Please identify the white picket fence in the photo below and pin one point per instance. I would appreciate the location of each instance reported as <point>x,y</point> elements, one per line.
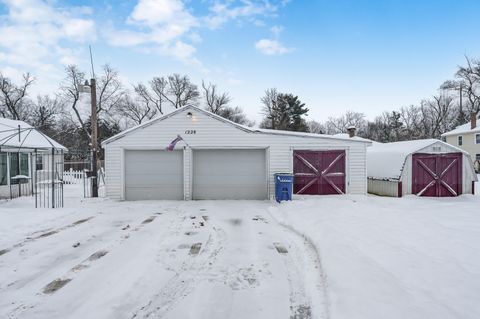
<point>73,177</point>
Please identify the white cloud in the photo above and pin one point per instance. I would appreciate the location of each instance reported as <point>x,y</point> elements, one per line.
<point>162,12</point>
<point>169,28</point>
<point>223,11</point>
<point>160,26</point>
<point>33,32</point>
<point>271,47</point>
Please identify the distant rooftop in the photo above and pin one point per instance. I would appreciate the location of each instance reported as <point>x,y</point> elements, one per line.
<point>464,128</point>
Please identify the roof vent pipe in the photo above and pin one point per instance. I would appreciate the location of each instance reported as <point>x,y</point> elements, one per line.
<point>351,131</point>
<point>473,120</point>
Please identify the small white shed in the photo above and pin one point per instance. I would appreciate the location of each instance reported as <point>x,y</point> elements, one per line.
<point>427,167</point>
<point>27,156</point>
<point>218,159</point>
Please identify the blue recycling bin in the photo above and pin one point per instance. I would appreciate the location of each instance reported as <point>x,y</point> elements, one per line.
<point>283,186</point>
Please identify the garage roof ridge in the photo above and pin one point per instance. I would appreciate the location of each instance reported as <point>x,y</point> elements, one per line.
<point>239,126</point>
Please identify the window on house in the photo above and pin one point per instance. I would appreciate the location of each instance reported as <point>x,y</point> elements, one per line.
<point>477,138</point>
<point>15,169</point>
<point>477,157</point>
<point>39,162</point>
<point>3,169</point>
<point>460,140</point>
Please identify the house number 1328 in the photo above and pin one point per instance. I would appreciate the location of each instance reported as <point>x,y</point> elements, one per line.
<point>190,132</point>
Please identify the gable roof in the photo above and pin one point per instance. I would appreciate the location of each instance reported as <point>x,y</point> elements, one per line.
<point>224,120</point>
<point>386,160</point>
<point>18,134</point>
<point>464,129</point>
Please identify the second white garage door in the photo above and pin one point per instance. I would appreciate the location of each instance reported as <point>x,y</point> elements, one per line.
<point>153,174</point>
<point>229,174</point>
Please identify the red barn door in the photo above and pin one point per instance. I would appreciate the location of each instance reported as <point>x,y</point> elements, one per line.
<point>319,172</point>
<point>437,175</point>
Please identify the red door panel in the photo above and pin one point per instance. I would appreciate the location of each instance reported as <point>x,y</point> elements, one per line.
<point>437,175</point>
<point>319,172</point>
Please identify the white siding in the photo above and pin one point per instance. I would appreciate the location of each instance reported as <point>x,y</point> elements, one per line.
<point>383,187</point>
<point>213,133</point>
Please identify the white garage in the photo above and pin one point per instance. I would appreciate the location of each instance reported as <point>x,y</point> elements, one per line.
<point>218,159</point>
<point>237,174</point>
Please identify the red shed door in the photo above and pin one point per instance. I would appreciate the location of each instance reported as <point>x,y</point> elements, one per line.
<point>437,175</point>
<point>319,172</point>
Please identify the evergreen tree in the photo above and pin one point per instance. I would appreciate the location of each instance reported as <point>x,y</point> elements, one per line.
<point>284,111</point>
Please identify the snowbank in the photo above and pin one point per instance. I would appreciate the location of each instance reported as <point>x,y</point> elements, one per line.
<point>394,258</point>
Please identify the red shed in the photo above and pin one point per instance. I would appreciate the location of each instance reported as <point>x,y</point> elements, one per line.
<point>422,167</point>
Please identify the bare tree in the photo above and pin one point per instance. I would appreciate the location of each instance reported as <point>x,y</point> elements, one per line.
<point>340,124</point>
<point>135,112</point>
<point>12,99</point>
<point>438,114</point>
<point>215,102</point>
<point>45,112</point>
<point>316,127</point>
<point>270,108</point>
<point>180,91</point>
<point>235,114</point>
<point>153,98</point>
<point>70,90</point>
<point>469,78</point>
<point>109,91</point>
<point>411,118</point>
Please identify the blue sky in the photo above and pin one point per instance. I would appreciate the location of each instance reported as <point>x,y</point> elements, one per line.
<point>366,56</point>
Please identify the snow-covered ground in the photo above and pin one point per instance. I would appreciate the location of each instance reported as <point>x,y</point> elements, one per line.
<point>361,257</point>
<point>394,258</point>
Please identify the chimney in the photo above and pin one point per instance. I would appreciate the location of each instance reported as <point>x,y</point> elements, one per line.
<point>473,120</point>
<point>351,131</point>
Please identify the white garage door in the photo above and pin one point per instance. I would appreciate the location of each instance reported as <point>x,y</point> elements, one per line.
<point>153,174</point>
<point>229,174</point>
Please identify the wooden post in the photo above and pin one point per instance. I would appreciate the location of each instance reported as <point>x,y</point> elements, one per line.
<point>94,125</point>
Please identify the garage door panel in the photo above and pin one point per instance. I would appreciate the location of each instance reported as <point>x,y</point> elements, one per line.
<point>437,175</point>
<point>229,174</point>
<point>226,192</point>
<point>153,174</point>
<point>149,193</point>
<point>153,179</point>
<point>319,172</point>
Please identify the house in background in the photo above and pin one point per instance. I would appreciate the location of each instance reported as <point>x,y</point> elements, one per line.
<point>27,157</point>
<point>219,159</point>
<point>467,138</point>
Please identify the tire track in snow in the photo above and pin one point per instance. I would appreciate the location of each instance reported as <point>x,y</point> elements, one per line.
<point>305,296</point>
<point>44,234</point>
<point>183,282</point>
<point>70,275</point>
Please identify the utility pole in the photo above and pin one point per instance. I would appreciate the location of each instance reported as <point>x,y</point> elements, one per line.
<point>94,126</point>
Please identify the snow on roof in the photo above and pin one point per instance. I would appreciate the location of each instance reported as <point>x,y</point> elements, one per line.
<point>386,160</point>
<point>304,134</point>
<point>358,138</point>
<point>26,137</point>
<point>463,129</point>
<point>242,127</point>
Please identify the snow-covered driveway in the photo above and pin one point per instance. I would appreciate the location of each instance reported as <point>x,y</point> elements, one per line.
<point>157,259</point>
